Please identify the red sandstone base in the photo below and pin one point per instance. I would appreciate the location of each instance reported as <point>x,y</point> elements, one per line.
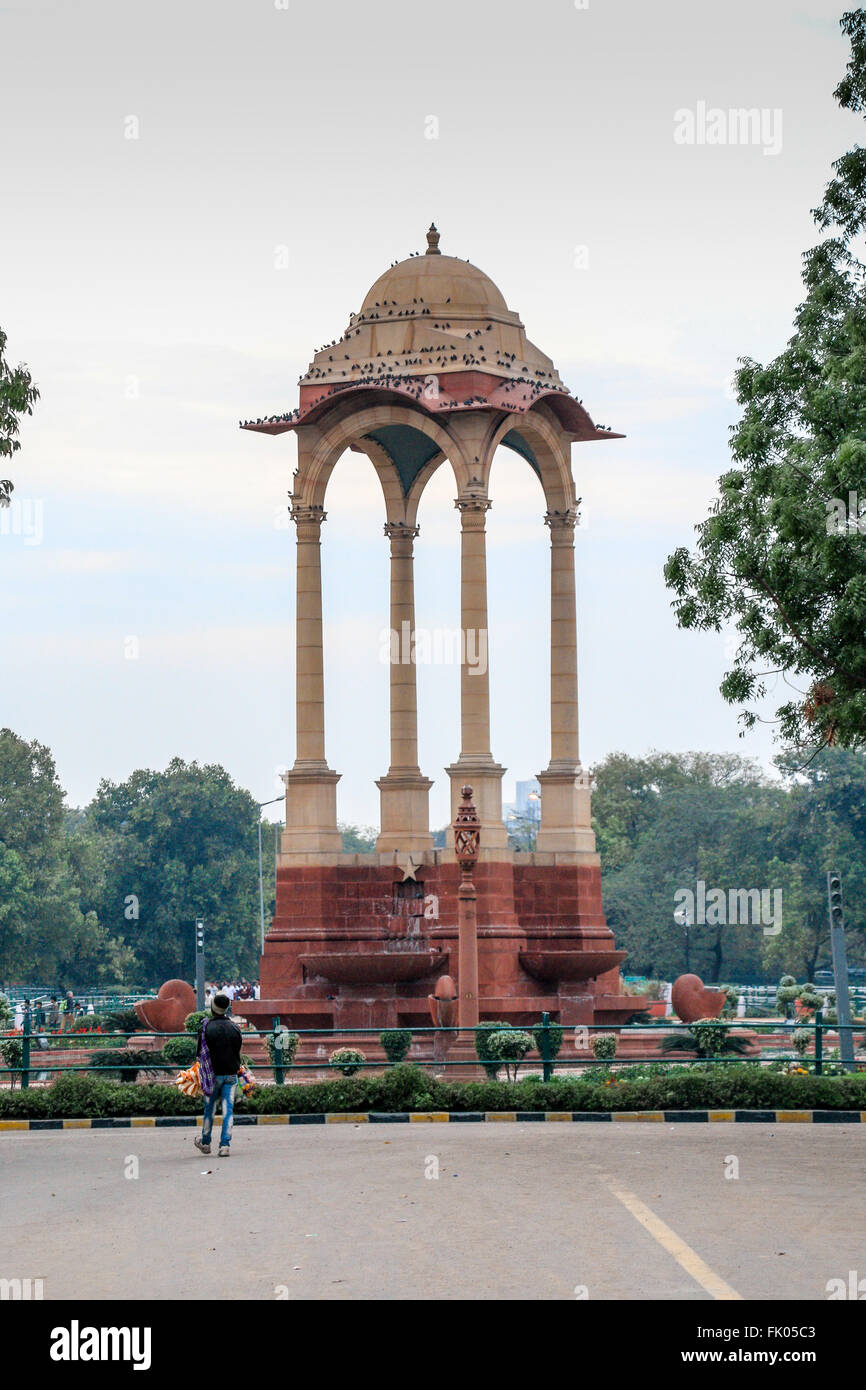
<point>354,946</point>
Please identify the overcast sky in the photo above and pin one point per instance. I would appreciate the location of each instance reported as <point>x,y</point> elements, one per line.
<point>139,279</point>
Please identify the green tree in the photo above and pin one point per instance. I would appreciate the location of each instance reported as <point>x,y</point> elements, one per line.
<point>824,828</point>
<point>667,821</point>
<point>772,557</point>
<point>183,845</point>
<point>46,935</point>
<point>18,395</point>
<point>358,839</point>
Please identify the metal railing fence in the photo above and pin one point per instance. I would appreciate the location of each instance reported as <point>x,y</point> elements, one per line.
<point>544,1033</point>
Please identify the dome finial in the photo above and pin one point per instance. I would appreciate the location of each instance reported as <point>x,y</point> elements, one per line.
<point>433,241</point>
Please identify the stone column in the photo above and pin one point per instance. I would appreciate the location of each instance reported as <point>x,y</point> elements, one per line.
<point>476,764</point>
<point>311,786</point>
<point>565,799</point>
<point>404,792</point>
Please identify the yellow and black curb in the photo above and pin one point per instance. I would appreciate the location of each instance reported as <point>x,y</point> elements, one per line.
<point>769,1117</point>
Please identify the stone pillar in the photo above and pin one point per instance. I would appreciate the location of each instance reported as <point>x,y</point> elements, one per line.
<point>566,825</point>
<point>404,792</point>
<point>311,786</point>
<point>476,764</point>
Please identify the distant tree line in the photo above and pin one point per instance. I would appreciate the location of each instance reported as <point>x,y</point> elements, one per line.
<point>110,892</point>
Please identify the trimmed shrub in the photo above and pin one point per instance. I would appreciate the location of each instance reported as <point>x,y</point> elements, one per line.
<point>180,1051</point>
<point>509,1046</point>
<point>396,1043</point>
<point>810,999</point>
<point>802,1039</point>
<point>348,1060</point>
<point>7,1013</point>
<point>12,1052</point>
<point>284,1055</point>
<point>555,1035</point>
<point>483,1033</point>
<point>708,1038</point>
<point>192,1023</point>
<point>603,1046</point>
<point>406,1088</point>
<point>786,993</point>
<point>127,1062</point>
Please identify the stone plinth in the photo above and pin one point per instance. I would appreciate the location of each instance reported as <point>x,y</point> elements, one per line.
<point>354,945</point>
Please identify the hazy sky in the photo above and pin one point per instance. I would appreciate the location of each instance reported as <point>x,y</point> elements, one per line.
<point>139,280</point>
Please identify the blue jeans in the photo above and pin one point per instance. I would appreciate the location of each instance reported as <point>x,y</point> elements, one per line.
<point>222,1086</point>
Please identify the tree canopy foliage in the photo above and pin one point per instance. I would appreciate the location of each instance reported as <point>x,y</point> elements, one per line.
<point>18,395</point>
<point>110,892</point>
<point>669,820</point>
<point>782,556</point>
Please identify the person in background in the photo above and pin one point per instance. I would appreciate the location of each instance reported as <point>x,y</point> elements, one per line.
<point>40,1015</point>
<point>53,1015</point>
<point>67,1009</point>
<point>18,1020</point>
<point>223,1040</point>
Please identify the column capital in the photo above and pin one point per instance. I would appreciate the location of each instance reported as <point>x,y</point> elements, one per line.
<point>562,520</point>
<point>473,507</point>
<point>401,531</point>
<point>562,524</point>
<point>303,515</point>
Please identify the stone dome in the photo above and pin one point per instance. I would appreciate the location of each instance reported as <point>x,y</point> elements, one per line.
<point>445,284</point>
<point>435,331</point>
<point>432,314</point>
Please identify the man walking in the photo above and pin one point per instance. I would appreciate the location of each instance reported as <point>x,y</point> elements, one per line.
<point>223,1040</point>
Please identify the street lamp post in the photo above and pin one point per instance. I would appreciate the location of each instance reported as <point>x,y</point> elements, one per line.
<point>262,805</point>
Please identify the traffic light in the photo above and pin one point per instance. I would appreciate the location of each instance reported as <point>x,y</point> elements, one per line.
<point>834,894</point>
<point>199,965</point>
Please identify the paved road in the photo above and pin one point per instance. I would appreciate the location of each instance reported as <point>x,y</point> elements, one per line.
<point>517,1211</point>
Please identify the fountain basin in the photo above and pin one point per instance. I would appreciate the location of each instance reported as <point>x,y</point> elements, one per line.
<point>374,968</point>
<point>569,965</point>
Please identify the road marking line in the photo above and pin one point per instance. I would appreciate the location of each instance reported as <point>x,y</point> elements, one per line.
<point>687,1258</point>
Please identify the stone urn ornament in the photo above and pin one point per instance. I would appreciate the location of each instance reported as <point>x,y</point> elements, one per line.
<point>692,1000</point>
<point>166,1013</point>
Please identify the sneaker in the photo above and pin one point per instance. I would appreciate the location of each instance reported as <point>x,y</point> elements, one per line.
<point>202,1148</point>
<point>224,1151</point>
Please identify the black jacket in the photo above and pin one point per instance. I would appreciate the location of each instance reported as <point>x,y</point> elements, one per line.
<point>224,1045</point>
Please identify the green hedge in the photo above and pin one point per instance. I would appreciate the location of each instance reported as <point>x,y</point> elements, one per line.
<point>407,1087</point>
